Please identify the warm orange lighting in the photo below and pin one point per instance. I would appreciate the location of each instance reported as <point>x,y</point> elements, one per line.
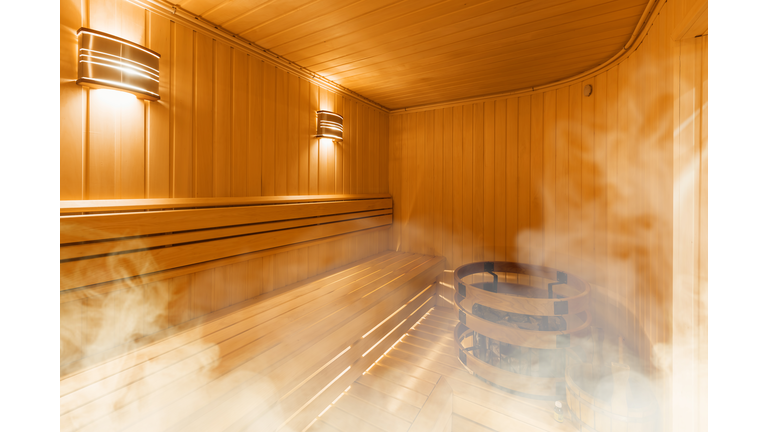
<point>110,62</point>
<point>330,125</point>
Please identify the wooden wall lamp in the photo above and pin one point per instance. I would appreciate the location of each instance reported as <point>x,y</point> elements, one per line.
<point>107,61</point>
<point>329,125</point>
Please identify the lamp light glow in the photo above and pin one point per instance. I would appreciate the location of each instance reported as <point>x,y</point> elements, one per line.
<point>330,125</point>
<point>107,61</point>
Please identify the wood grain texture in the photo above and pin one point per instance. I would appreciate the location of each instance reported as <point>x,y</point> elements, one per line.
<point>245,349</point>
<point>405,54</point>
<point>586,181</point>
<point>190,295</point>
<point>223,114</point>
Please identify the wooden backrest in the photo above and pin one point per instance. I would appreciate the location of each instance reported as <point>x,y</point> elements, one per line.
<point>108,240</point>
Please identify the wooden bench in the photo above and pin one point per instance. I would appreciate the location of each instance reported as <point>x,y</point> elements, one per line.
<point>132,268</point>
<point>104,241</point>
<point>274,363</point>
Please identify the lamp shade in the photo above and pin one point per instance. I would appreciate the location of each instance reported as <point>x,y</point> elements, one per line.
<point>330,125</point>
<point>106,61</point>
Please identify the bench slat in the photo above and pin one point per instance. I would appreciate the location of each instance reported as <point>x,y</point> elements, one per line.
<point>122,245</point>
<point>110,226</point>
<point>279,343</point>
<point>79,273</point>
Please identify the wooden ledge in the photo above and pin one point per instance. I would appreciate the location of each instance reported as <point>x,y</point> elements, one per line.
<point>98,206</point>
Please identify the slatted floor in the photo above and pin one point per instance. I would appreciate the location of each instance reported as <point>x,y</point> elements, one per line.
<point>272,364</point>
<point>390,394</point>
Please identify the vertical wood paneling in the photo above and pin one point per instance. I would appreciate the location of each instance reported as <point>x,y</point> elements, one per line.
<point>100,158</point>
<point>601,186</point>
<point>293,136</point>
<point>269,107</point>
<point>456,176</point>
<point>524,183</point>
<point>575,156</point>
<point>439,184</point>
<point>418,228</point>
<point>281,132</point>
<point>612,223</point>
<point>500,179</point>
<point>255,125</point>
<point>338,182</point>
<point>549,177</point>
<point>489,190</point>
<point>222,114</point>
<point>305,137</point>
<point>476,137</point>
<point>314,143</point>
<point>468,186</point>
<point>512,179</point>
<point>158,143</point>
<point>132,142</point>
<point>131,145</point>
<point>561,182</point>
<point>427,205</point>
<point>203,136</point>
<point>587,180</point>
<point>580,183</point>
<point>239,171</point>
<point>182,112</point>
<point>227,124</point>
<point>537,201</point>
<point>73,102</point>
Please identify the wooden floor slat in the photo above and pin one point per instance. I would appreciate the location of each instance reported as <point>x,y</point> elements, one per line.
<point>345,422</point>
<point>321,426</point>
<point>261,358</point>
<point>394,390</point>
<point>490,418</point>
<point>421,359</point>
<point>372,414</point>
<point>392,405</point>
<point>461,424</point>
<point>114,366</point>
<point>398,377</point>
<point>271,338</point>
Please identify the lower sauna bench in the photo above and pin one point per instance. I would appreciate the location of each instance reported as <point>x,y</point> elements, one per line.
<point>273,363</point>
<point>363,348</point>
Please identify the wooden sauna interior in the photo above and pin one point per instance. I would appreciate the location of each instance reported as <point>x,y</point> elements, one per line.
<point>222,269</point>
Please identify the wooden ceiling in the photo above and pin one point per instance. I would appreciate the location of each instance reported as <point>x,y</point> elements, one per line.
<point>407,53</point>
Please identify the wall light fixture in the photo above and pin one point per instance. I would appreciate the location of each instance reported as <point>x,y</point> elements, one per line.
<point>106,61</point>
<point>329,125</point>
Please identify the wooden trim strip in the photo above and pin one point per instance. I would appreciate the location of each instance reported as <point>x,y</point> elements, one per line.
<point>75,274</point>
<point>75,229</point>
<point>91,206</point>
<point>108,247</point>
<point>107,287</point>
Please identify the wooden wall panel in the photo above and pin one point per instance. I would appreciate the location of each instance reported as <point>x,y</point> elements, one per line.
<point>578,183</point>
<point>227,124</point>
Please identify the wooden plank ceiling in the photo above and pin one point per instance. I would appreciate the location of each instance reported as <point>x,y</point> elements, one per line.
<point>407,53</point>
